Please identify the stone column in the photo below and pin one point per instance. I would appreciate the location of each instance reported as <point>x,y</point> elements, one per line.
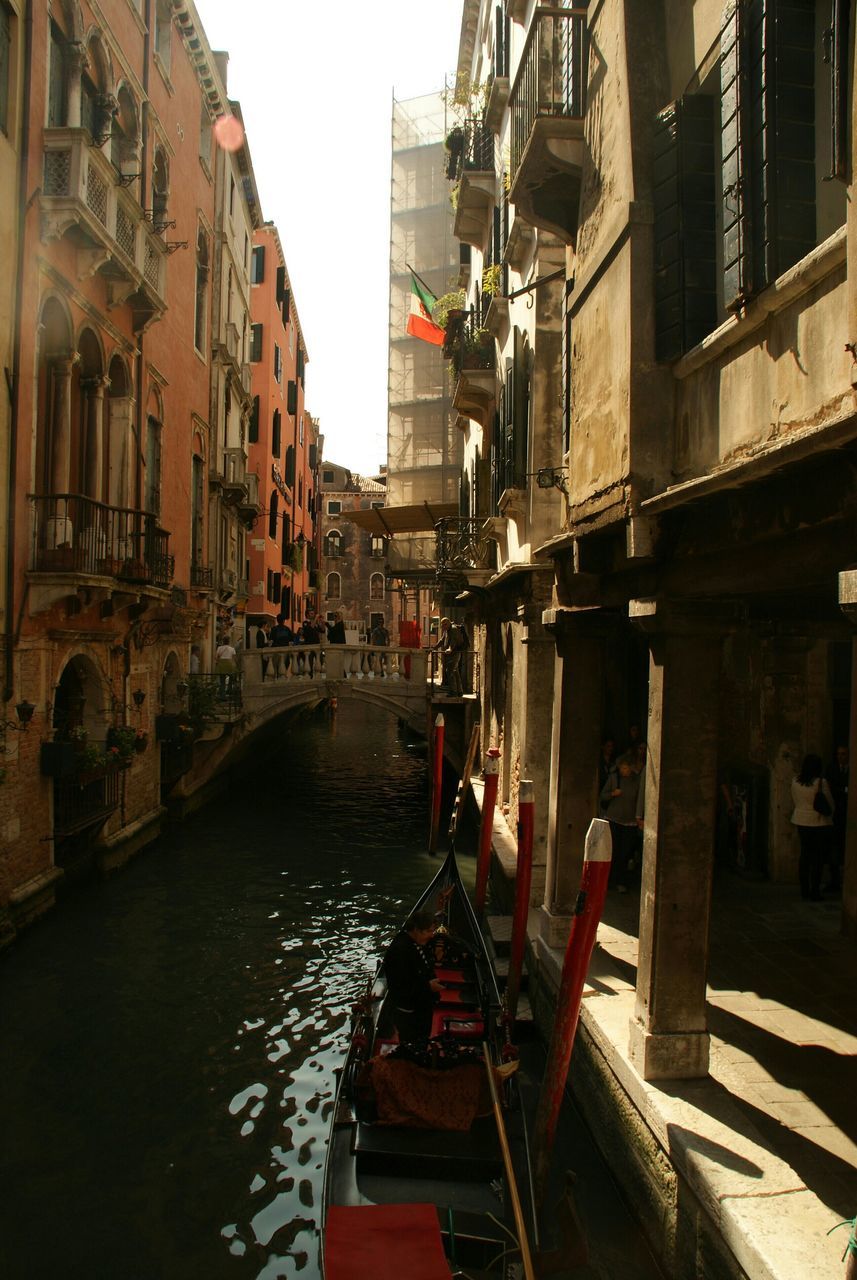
<point>60,464</point>
<point>536,739</point>
<point>669,1036</point>
<point>577,709</point>
<point>93,467</point>
<point>77,61</point>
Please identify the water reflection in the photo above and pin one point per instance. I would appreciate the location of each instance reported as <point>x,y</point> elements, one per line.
<point>170,1035</point>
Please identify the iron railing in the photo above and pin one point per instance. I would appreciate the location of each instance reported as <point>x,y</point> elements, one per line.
<point>467,344</point>
<point>212,697</point>
<point>72,534</point>
<point>471,147</point>
<point>460,545</point>
<point>551,78</point>
<point>85,799</point>
<point>202,576</point>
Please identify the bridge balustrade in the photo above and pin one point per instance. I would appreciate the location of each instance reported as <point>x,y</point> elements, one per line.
<point>322,663</point>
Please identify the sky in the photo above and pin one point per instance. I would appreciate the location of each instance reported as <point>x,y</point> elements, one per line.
<point>316,80</point>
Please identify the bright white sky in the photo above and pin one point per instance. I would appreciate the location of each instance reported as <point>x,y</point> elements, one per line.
<point>316,80</point>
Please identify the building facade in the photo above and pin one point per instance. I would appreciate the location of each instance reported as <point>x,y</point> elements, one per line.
<point>353,561</point>
<point>284,446</point>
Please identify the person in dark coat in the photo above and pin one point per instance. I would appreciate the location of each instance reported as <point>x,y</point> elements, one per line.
<point>336,630</point>
<point>410,978</point>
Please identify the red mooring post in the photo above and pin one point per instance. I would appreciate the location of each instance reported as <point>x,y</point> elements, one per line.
<point>597,856</point>
<point>436,781</point>
<point>491,777</point>
<point>523,882</point>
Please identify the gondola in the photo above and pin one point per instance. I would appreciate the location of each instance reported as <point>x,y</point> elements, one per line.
<point>419,1179</point>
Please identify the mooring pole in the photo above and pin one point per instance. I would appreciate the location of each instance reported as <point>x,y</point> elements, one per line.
<point>598,853</point>
<point>491,779</point>
<point>523,882</point>
<point>436,781</point>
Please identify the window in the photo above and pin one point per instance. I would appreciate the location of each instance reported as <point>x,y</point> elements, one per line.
<point>278,363</point>
<point>301,430</point>
<point>334,586</point>
<point>253,425</point>
<point>163,32</point>
<point>377,545</point>
<point>152,495</point>
<point>376,586</point>
<point>197,508</point>
<point>58,82</point>
<point>5,61</point>
<point>160,189</point>
<point>200,319</point>
<point>301,365</point>
<point>281,289</point>
<point>257,270</point>
<point>333,544</point>
<point>231,194</point>
<point>205,135</point>
<point>276,434</point>
<point>292,398</point>
<point>255,343</point>
<point>327,476</point>
<point>377,506</point>
<point>273,513</point>
<point>290,466</point>
<point>334,507</point>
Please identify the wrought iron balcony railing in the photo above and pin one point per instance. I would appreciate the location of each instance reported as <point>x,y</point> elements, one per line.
<point>85,800</point>
<point>551,78</point>
<point>201,576</point>
<point>461,546</point>
<point>471,147</point>
<point>76,535</point>
<point>468,344</point>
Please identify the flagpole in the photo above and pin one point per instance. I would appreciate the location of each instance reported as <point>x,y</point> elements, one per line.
<point>422,282</point>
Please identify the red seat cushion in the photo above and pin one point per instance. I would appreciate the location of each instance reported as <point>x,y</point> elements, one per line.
<point>451,975</point>
<point>384,1242</point>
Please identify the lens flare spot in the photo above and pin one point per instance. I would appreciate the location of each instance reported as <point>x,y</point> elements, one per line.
<point>228,133</point>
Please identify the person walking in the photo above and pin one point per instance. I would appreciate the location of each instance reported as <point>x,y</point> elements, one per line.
<point>620,797</point>
<point>813,817</point>
<point>225,665</point>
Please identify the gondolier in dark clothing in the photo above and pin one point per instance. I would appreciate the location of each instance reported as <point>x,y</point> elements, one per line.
<point>410,978</point>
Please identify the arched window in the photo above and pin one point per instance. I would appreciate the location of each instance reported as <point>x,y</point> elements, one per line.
<point>377,546</point>
<point>199,325</point>
<point>163,32</point>
<point>334,586</point>
<point>333,544</point>
<point>123,134</point>
<point>58,79</point>
<point>376,586</point>
<point>273,513</point>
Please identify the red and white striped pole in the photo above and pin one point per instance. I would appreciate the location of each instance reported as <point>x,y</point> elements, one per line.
<point>491,778</point>
<point>437,781</point>
<point>523,883</point>
<point>597,856</point>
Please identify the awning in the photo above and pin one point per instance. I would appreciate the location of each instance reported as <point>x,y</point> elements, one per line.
<point>384,1242</point>
<point>420,517</point>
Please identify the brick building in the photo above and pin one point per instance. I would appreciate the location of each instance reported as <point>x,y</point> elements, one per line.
<point>353,561</point>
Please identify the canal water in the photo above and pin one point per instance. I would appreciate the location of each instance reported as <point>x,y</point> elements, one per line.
<point>169,1035</point>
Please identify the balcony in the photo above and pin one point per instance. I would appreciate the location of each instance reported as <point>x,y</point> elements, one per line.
<point>201,577</point>
<point>228,346</point>
<point>81,201</point>
<point>471,349</point>
<point>234,475</point>
<point>76,537</point>
<point>547,105</point>
<point>463,552</point>
<point>471,166</point>
<point>250,504</point>
<point>85,800</point>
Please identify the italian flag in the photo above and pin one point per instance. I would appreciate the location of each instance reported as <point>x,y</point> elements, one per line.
<point>420,323</point>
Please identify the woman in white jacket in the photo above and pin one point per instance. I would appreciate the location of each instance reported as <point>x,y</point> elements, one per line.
<point>811,795</point>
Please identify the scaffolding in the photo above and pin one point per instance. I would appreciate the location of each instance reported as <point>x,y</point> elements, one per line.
<point>424,447</point>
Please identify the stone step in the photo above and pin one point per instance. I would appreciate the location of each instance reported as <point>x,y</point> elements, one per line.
<point>500,933</point>
<point>501,969</point>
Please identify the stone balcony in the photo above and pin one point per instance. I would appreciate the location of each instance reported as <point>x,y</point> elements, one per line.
<point>463,552</point>
<point>84,200</point>
<point>472,167</point>
<point>547,103</point>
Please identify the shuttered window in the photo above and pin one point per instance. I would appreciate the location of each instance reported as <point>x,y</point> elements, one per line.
<point>281,284</point>
<point>290,466</point>
<point>768,141</point>
<point>685,235</point>
<point>292,399</point>
<point>276,434</point>
<point>255,343</point>
<point>253,425</point>
<point>257,269</point>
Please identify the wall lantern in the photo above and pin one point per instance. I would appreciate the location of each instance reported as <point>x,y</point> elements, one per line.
<point>139,696</point>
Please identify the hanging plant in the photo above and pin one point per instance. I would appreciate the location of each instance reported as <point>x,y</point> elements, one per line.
<point>448,302</point>
<point>491,279</point>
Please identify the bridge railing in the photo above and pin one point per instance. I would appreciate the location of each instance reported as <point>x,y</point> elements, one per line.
<point>311,662</point>
<point>468,670</point>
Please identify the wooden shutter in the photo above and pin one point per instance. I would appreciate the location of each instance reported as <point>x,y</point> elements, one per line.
<point>276,434</point>
<point>255,342</point>
<point>292,398</point>
<point>840,45</point>
<point>253,425</point>
<point>520,412</point>
<point>685,261</point>
<point>285,307</point>
<point>281,284</point>
<point>313,457</point>
<point>734,129</point>
<point>290,466</point>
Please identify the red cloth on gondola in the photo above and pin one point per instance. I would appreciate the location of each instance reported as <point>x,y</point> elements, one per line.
<point>384,1242</point>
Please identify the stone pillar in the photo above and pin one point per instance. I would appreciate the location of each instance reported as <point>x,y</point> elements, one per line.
<point>577,709</point>
<point>60,464</point>
<point>93,467</point>
<point>536,741</point>
<point>669,1036</point>
<point>77,61</point>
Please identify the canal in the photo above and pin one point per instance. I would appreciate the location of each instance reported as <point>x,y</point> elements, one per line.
<point>169,1035</point>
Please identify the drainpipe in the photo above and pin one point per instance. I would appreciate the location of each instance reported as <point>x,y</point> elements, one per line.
<point>14,383</point>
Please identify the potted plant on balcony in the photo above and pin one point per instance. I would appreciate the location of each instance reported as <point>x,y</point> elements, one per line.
<point>91,763</point>
<point>477,349</point>
<point>121,739</point>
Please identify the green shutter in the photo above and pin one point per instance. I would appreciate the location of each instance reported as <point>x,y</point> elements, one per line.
<point>276,432</point>
<point>520,412</point>
<point>290,466</point>
<point>292,399</point>
<point>281,284</point>
<point>733,124</point>
<point>253,426</point>
<point>685,262</point>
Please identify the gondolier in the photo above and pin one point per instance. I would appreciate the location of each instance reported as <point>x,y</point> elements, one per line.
<point>410,978</point>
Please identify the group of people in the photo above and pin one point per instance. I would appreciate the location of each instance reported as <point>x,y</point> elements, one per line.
<point>314,630</point>
<point>820,809</point>
<point>621,799</point>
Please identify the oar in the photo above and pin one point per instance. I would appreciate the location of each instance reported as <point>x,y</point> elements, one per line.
<point>463,784</point>
<point>523,1243</point>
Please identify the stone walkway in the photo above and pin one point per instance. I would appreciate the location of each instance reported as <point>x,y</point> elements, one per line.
<point>771,1137</point>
